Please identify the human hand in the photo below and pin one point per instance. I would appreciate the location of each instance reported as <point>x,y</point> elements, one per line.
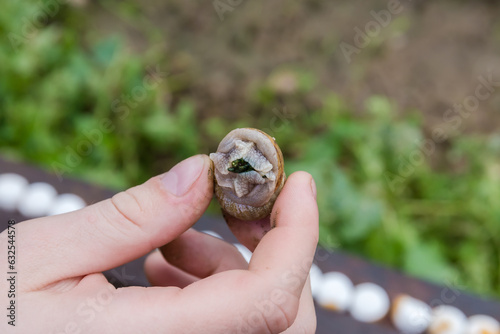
<point>205,287</point>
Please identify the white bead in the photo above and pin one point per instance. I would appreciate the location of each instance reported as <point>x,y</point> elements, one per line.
<point>247,255</point>
<point>316,277</point>
<point>370,303</point>
<point>37,200</point>
<point>410,315</point>
<point>482,324</point>
<point>12,188</point>
<point>447,320</point>
<point>212,233</point>
<point>66,203</point>
<point>335,292</point>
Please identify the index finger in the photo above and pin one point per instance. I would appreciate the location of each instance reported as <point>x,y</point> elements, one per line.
<point>285,253</point>
<point>265,299</point>
<point>248,233</point>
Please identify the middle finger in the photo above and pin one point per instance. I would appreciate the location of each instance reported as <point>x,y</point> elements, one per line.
<point>202,255</point>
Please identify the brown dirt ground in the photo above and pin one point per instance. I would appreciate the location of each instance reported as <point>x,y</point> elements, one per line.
<point>426,59</point>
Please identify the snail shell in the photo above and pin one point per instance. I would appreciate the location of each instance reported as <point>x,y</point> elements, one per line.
<point>249,173</point>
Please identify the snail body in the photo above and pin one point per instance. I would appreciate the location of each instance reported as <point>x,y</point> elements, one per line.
<point>249,173</point>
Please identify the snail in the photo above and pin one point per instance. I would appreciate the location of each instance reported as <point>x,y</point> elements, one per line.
<point>249,173</point>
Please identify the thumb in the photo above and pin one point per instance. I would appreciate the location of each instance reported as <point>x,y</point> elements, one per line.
<point>116,231</point>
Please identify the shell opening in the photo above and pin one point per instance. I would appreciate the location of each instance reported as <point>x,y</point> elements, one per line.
<point>240,166</point>
<point>243,169</point>
<point>248,172</point>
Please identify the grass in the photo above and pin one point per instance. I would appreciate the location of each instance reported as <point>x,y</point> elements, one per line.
<point>89,110</point>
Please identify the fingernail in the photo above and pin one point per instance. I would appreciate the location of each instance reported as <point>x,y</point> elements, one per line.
<point>181,177</point>
<point>313,187</point>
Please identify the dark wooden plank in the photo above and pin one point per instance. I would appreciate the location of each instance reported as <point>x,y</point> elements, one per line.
<point>91,193</point>
<point>395,283</point>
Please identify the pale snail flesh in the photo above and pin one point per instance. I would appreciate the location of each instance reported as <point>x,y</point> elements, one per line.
<point>249,173</point>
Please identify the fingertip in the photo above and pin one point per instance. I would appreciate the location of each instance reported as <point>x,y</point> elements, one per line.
<point>298,197</point>
<point>180,179</point>
<point>248,233</point>
<point>302,179</point>
<point>302,182</point>
<point>299,186</point>
<point>161,273</point>
<point>152,260</point>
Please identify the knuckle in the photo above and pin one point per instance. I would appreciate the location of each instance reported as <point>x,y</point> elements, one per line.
<point>127,206</point>
<point>279,321</point>
<point>123,212</point>
<point>280,316</point>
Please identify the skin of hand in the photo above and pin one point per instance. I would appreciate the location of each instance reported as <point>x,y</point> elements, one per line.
<point>201,284</point>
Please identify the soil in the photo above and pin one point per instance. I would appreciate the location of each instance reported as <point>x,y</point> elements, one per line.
<point>427,58</point>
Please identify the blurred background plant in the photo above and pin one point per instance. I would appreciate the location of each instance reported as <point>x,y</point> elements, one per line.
<point>65,74</point>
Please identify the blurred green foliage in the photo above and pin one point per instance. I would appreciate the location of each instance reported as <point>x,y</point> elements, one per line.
<point>87,111</point>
